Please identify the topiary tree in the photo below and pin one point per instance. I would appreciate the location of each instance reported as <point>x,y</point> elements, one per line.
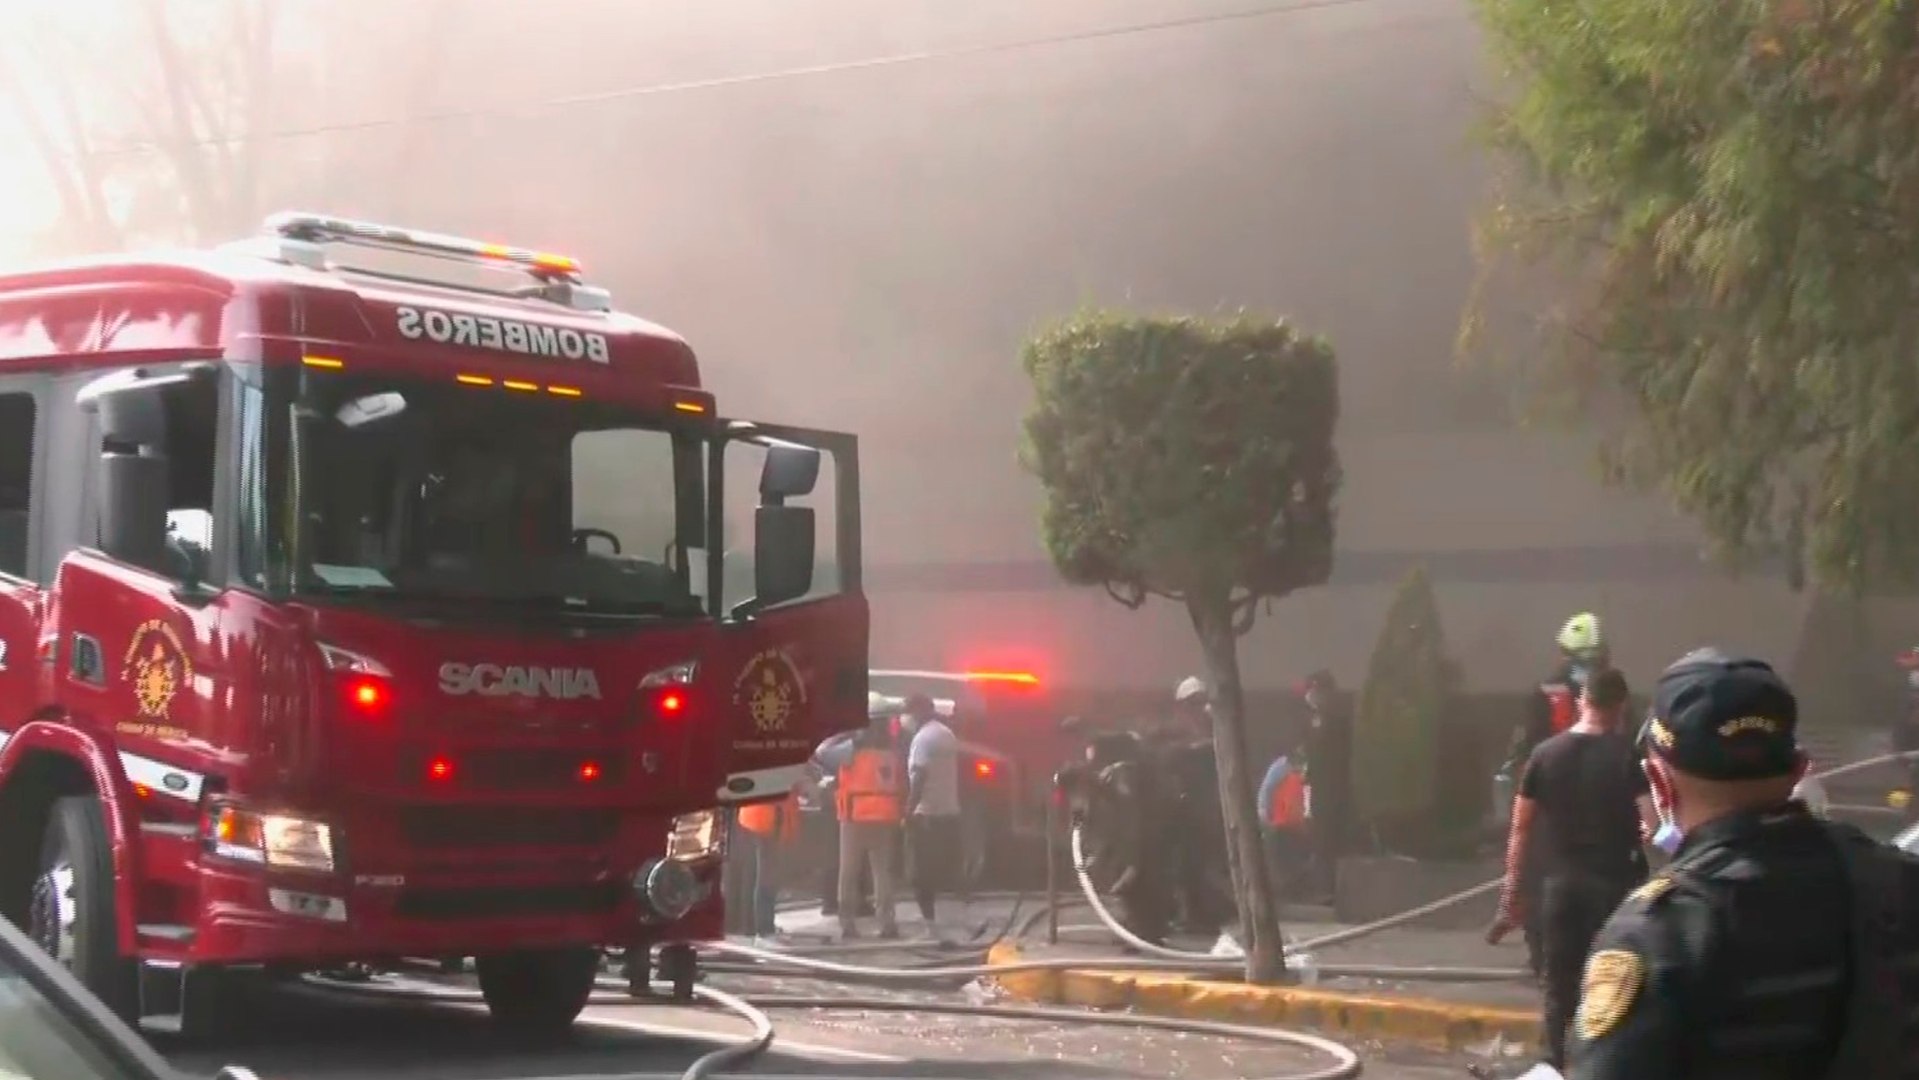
<point>1192,459</point>
<point>1396,726</point>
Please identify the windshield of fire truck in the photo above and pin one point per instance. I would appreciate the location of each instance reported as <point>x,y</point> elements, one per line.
<point>444,491</point>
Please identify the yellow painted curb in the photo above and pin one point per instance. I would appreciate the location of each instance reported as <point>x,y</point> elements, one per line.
<point>1448,1025</point>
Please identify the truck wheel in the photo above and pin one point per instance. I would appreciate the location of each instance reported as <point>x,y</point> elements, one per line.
<point>72,915</point>
<point>538,994</point>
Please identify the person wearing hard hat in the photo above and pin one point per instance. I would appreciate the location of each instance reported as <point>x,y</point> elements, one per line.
<point>1195,827</point>
<point>1554,708</point>
<point>1192,711</point>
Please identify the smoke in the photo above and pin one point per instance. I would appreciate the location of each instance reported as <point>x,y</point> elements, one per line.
<point>864,245</point>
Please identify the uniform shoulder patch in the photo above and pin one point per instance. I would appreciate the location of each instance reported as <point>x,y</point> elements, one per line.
<point>1652,890</point>
<point>1613,980</point>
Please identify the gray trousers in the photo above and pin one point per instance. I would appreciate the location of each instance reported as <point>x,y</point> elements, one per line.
<point>869,846</point>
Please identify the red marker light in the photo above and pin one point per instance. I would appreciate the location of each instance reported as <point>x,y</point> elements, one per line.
<point>672,703</point>
<point>367,695</point>
<point>984,769</point>
<point>439,769</point>
<point>589,771</point>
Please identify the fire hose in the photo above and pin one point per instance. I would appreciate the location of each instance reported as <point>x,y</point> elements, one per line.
<point>1341,937</point>
<point>752,1009</point>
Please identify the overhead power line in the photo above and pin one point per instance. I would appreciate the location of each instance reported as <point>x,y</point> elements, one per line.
<point>720,82</point>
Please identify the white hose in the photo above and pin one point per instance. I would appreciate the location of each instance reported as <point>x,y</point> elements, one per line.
<point>1118,929</point>
<point>1355,932</point>
<point>1345,1062</point>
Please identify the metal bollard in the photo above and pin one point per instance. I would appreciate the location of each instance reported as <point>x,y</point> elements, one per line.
<point>1052,867</point>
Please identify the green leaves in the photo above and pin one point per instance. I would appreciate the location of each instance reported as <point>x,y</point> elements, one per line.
<point>1184,456</point>
<point>1736,189</point>
<point>1401,704</point>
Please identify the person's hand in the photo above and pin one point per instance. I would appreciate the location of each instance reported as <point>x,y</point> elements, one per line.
<point>1501,926</point>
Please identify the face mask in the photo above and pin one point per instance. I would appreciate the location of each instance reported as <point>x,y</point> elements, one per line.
<point>1669,835</point>
<point>1668,838</point>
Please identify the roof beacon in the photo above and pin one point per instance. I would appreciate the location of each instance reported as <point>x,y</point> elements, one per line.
<point>303,236</point>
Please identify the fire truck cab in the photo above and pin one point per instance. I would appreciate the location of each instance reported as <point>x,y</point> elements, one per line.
<point>368,593</point>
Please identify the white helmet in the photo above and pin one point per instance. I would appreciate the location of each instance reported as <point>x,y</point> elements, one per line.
<point>1189,688</point>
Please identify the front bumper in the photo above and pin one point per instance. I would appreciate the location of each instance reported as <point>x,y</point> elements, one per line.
<point>401,893</point>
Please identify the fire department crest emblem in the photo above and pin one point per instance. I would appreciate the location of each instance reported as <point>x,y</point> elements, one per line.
<point>770,690</point>
<point>156,666</point>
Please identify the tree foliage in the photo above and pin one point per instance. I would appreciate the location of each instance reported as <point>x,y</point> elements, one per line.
<point>1193,459</point>
<point>161,123</point>
<point>1185,457</point>
<point>1396,728</point>
<point>1733,190</point>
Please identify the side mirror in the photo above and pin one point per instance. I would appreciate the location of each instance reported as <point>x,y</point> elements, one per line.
<point>129,405</point>
<point>782,554</point>
<point>789,472</point>
<point>370,409</point>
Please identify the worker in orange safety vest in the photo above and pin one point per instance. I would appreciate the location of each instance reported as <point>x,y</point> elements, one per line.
<point>770,827</point>
<point>870,791</point>
<point>1284,809</point>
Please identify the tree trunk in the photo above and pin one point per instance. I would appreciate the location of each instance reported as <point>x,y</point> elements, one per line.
<point>1253,879</point>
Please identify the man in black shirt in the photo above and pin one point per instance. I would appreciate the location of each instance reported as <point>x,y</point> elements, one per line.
<point>1581,815</point>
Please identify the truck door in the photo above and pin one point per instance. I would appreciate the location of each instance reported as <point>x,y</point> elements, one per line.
<point>783,536</point>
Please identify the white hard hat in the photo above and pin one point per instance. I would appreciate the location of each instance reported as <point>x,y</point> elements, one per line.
<point>1189,688</point>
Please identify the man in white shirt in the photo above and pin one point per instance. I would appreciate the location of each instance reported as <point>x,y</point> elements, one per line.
<point>932,805</point>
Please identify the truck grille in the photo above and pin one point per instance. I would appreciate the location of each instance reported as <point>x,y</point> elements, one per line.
<point>442,827</point>
<point>485,903</point>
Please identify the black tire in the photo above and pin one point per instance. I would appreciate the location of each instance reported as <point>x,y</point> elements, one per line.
<point>538,994</point>
<point>76,839</point>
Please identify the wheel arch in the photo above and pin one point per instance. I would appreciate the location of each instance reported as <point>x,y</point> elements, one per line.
<point>45,760</point>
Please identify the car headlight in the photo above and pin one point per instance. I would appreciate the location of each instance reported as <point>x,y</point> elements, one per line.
<point>695,836</point>
<point>276,840</point>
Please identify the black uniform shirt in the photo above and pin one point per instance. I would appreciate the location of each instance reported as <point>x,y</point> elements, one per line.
<point>1735,961</point>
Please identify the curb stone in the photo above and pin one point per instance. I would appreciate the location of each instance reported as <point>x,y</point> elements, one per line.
<point>1446,1025</point>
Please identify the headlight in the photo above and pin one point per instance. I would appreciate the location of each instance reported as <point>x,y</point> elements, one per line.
<point>667,889</point>
<point>695,836</point>
<point>275,840</point>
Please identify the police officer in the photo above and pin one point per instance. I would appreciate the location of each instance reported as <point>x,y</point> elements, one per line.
<point>1775,945</point>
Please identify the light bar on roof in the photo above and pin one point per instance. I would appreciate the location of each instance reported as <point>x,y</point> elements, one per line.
<point>324,228</point>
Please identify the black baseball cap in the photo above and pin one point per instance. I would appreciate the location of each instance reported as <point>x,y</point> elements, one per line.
<point>1723,717</point>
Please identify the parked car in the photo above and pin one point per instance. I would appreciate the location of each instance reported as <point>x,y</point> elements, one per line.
<point>51,1028</point>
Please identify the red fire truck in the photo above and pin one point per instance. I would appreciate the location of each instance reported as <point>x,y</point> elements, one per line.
<point>365,593</point>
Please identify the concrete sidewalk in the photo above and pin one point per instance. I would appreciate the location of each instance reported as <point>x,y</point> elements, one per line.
<point>1449,1016</point>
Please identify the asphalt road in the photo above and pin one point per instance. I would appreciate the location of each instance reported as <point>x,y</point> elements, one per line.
<point>299,1033</point>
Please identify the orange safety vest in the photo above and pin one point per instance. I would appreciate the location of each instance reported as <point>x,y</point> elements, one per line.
<point>1565,705</point>
<point>1289,801</point>
<point>869,786</point>
<point>779,818</point>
